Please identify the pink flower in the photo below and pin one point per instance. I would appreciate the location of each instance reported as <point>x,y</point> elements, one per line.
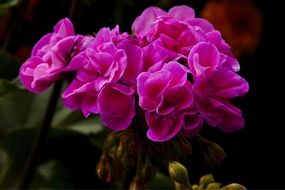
<point>177,67</point>
<point>177,36</point>
<point>49,57</point>
<point>106,76</point>
<point>116,105</point>
<point>81,96</point>
<point>212,96</point>
<point>171,35</point>
<point>144,23</point>
<point>163,127</point>
<point>164,95</point>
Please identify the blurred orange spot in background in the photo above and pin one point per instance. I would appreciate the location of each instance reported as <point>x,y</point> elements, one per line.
<point>239,21</point>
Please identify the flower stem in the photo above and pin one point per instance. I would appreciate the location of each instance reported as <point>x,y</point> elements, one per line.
<point>140,161</point>
<point>42,134</point>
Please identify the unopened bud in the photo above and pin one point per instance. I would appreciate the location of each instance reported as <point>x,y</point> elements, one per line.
<point>234,186</point>
<point>216,150</point>
<point>206,180</point>
<point>111,140</point>
<point>186,146</point>
<point>214,185</point>
<point>148,172</point>
<point>138,184</point>
<point>103,170</point>
<point>120,150</point>
<point>180,186</point>
<point>195,187</point>
<point>178,172</point>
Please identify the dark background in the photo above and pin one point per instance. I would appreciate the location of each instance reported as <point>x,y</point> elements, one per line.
<point>254,153</point>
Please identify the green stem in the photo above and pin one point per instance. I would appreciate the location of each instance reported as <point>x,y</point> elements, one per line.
<point>140,161</point>
<point>74,12</point>
<point>15,24</point>
<point>29,170</point>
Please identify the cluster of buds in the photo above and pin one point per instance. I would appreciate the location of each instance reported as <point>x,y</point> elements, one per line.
<point>119,154</point>
<point>179,175</point>
<point>129,156</point>
<point>207,182</point>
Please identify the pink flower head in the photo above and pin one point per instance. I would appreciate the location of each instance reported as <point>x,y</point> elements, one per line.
<point>49,57</point>
<point>99,64</point>
<point>177,36</point>
<point>176,66</point>
<point>171,35</point>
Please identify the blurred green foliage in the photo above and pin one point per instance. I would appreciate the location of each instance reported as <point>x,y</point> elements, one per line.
<point>8,3</point>
<point>21,115</point>
<point>9,66</point>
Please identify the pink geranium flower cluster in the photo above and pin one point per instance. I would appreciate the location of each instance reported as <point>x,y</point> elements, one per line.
<point>175,71</point>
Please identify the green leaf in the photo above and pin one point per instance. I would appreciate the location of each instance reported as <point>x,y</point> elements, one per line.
<point>9,67</point>
<point>52,174</point>
<point>6,87</point>
<point>8,3</point>
<point>19,108</point>
<point>17,144</point>
<point>22,109</point>
<point>21,115</point>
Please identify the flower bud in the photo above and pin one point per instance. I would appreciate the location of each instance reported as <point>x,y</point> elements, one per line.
<point>186,146</point>
<point>195,187</point>
<point>214,185</point>
<point>179,186</point>
<point>206,180</point>
<point>103,170</point>
<point>111,140</point>
<point>216,151</point>
<point>213,154</point>
<point>234,186</point>
<point>178,172</point>
<point>148,172</point>
<point>138,184</point>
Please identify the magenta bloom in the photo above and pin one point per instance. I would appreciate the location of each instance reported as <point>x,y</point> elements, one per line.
<point>106,77</point>
<point>116,105</point>
<point>178,36</point>
<point>212,96</point>
<point>205,58</point>
<point>164,95</point>
<point>174,73</point>
<point>49,57</point>
<point>171,35</point>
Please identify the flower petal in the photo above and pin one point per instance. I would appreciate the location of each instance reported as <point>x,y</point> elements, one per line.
<point>143,22</point>
<point>163,128</point>
<point>203,57</point>
<point>182,12</point>
<point>116,105</point>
